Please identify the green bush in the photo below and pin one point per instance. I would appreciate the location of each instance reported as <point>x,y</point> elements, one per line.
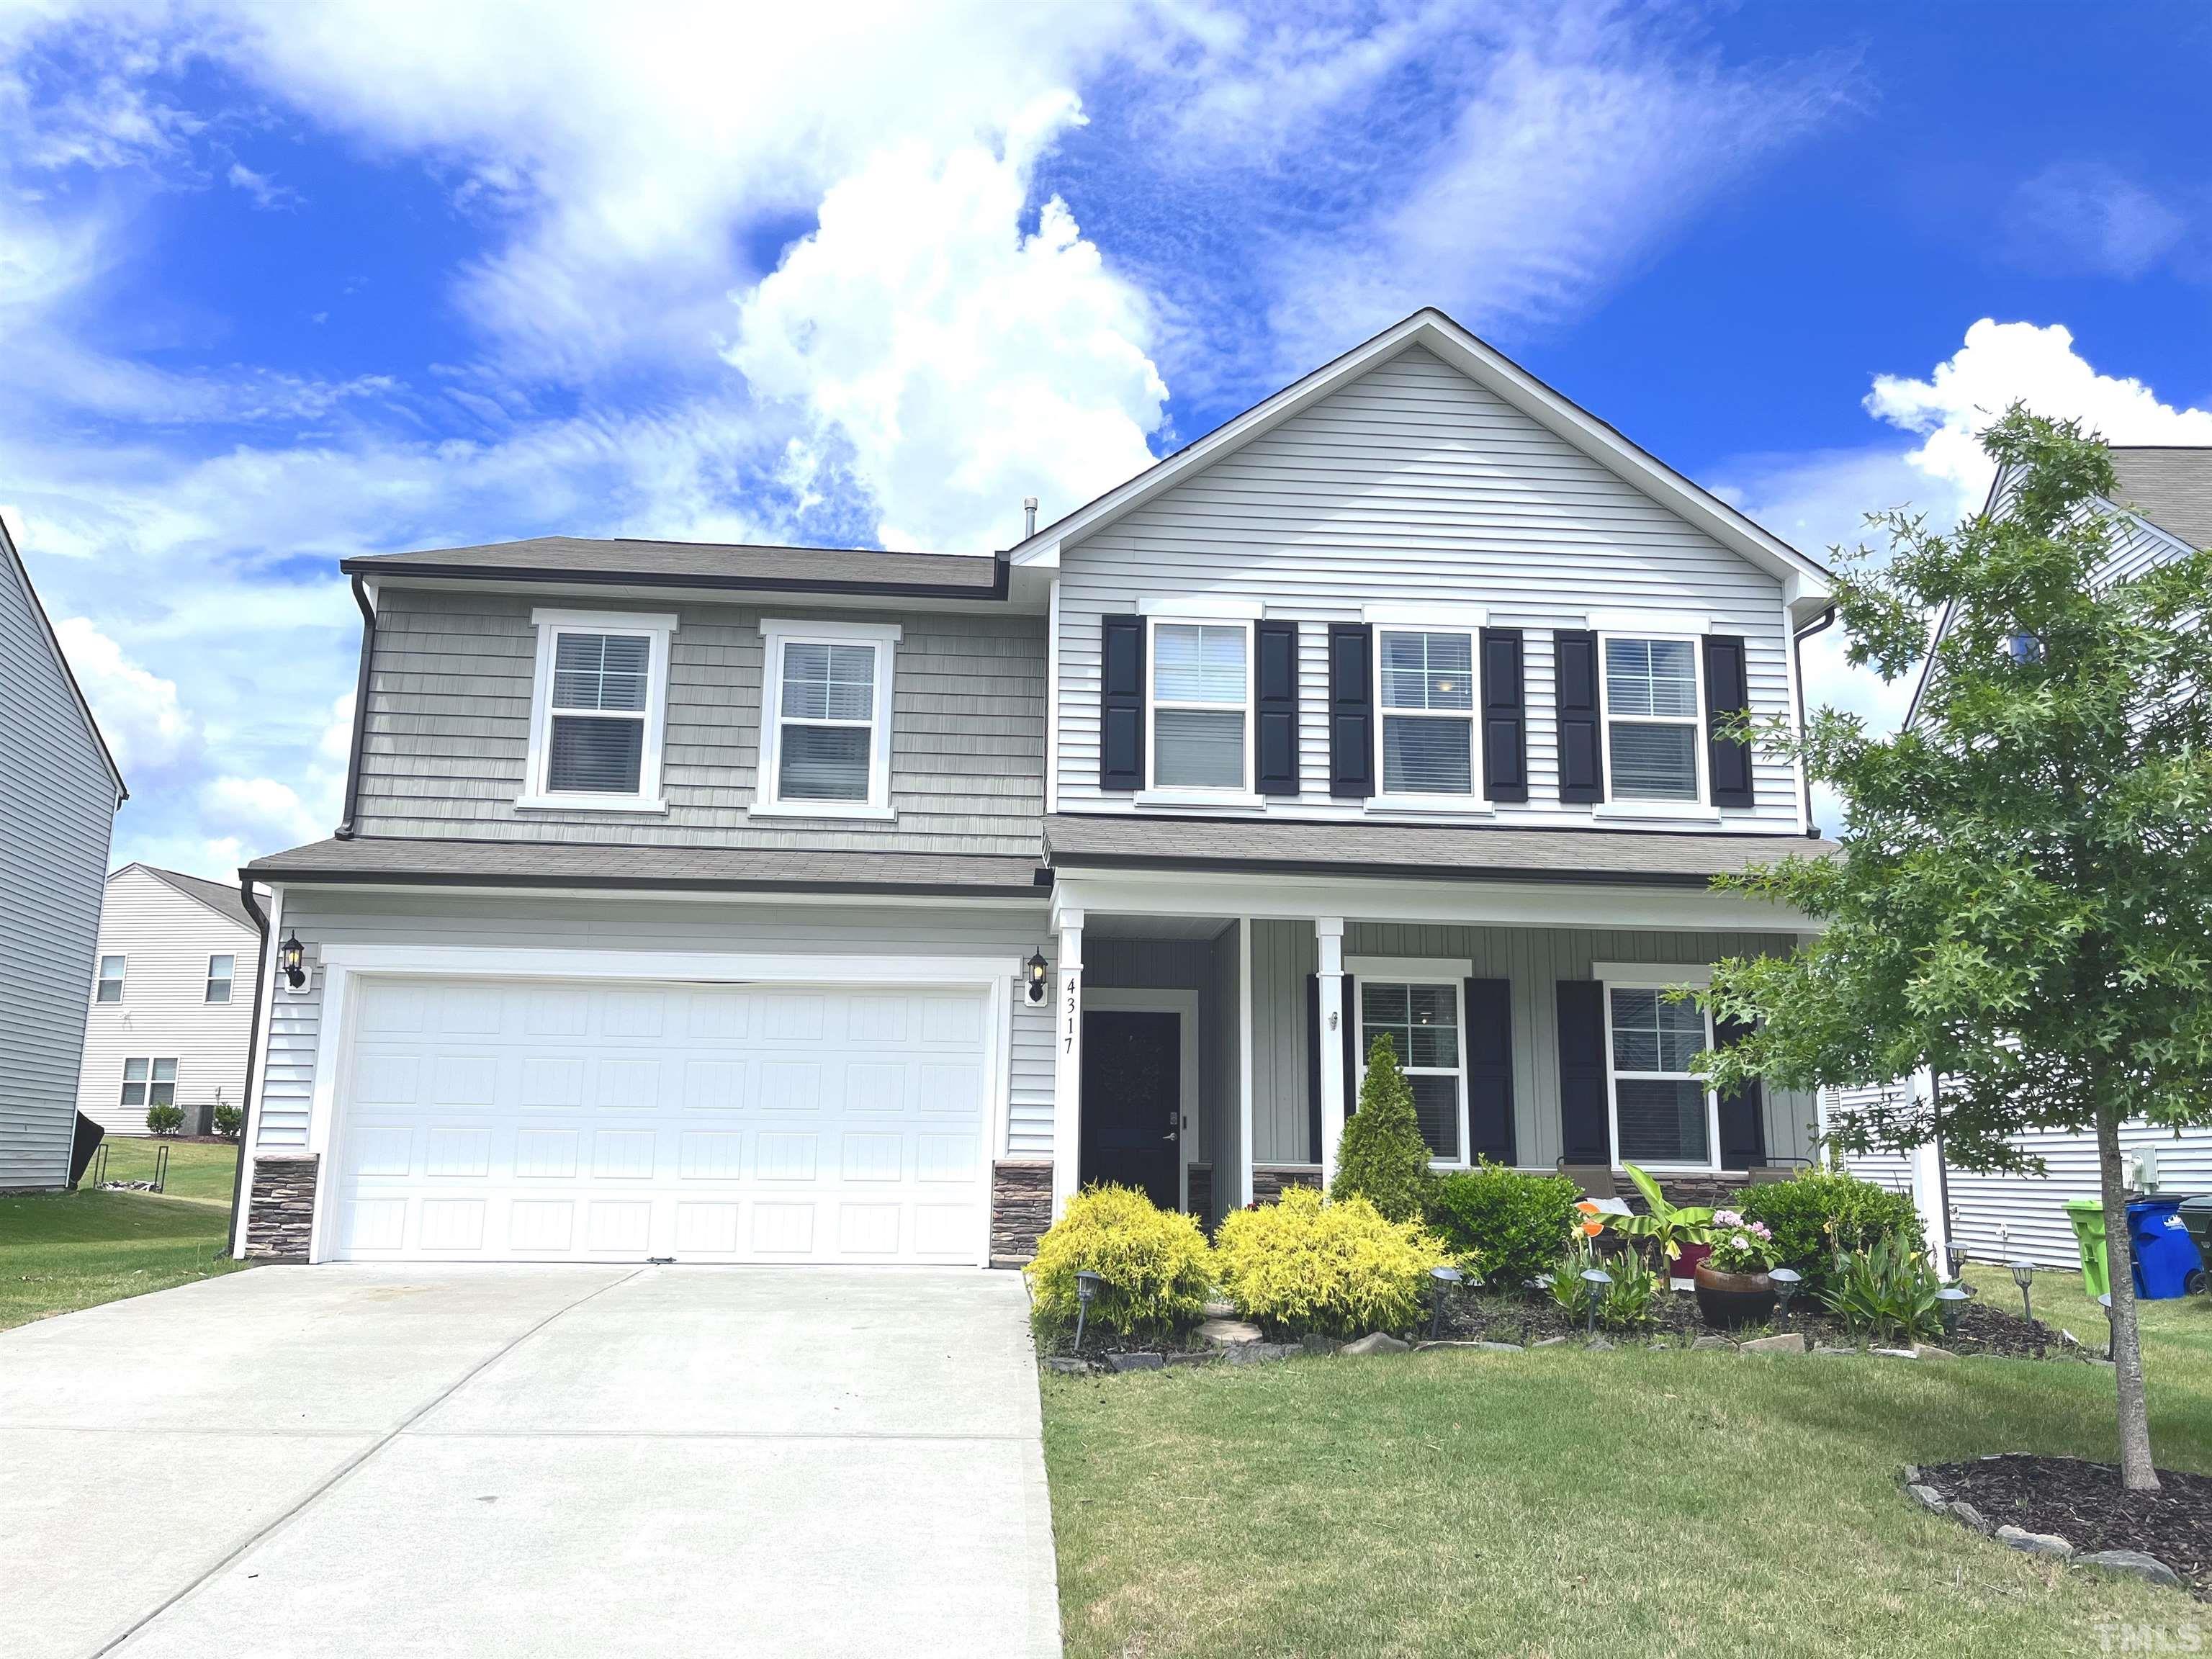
<point>228,1121</point>
<point>164,1119</point>
<point>1506,1226</point>
<point>1154,1264</point>
<point>1819,1212</point>
<point>1383,1157</point>
<point>1337,1267</point>
<point>1887,1292</point>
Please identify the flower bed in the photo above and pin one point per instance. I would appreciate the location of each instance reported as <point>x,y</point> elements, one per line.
<point>2084,1504</point>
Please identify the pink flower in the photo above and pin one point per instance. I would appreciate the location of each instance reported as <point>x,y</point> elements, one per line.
<point>1727,1217</point>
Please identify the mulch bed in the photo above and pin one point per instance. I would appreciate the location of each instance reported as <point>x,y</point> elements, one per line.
<point>2085,1505</point>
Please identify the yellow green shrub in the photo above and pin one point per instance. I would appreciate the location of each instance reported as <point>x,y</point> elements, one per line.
<point>1338,1268</point>
<point>1156,1267</point>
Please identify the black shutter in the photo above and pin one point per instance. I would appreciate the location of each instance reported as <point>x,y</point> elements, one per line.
<point>1582,762</point>
<point>1728,691</point>
<point>1351,710</point>
<point>1276,731</point>
<point>1505,717</point>
<point>1490,1070</point>
<point>1122,702</point>
<point>1313,1063</point>
<point>1352,1055</point>
<point>1584,1138</point>
<point>1743,1114</point>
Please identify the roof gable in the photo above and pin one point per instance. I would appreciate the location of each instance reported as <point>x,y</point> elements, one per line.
<point>11,562</point>
<point>224,901</point>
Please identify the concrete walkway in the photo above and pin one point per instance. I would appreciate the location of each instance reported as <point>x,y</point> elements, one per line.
<point>545,1461</point>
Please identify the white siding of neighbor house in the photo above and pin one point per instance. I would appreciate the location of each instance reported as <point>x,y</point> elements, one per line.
<point>58,802</point>
<point>323,917</point>
<point>448,739</point>
<point>1413,485</point>
<point>165,1014</point>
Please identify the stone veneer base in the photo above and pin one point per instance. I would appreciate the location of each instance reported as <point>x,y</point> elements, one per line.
<point>1021,1207</point>
<point>281,1208</point>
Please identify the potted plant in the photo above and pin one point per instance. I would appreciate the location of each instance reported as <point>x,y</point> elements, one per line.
<point>1669,1228</point>
<point>1734,1284</point>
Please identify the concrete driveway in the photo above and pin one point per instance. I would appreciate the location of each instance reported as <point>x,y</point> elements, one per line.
<point>348,1460</point>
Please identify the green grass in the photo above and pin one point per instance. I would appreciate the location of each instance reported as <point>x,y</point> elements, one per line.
<point>63,1251</point>
<point>199,1171</point>
<point>1561,1503</point>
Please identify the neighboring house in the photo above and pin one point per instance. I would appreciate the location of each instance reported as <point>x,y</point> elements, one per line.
<point>59,792</point>
<point>2164,493</point>
<point>751,903</point>
<point>172,1000</point>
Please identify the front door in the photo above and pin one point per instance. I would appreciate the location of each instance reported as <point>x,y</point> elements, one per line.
<point>1133,1102</point>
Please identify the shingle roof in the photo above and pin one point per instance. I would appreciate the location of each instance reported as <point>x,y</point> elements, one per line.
<point>697,564</point>
<point>224,901</point>
<point>1634,855</point>
<point>371,859</point>
<point>2169,485</point>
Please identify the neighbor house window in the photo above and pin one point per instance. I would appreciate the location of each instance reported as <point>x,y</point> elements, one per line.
<point>1662,1113</point>
<point>149,1083</point>
<point>110,986</point>
<point>1654,721</point>
<point>220,970</point>
<point>595,730</point>
<point>1201,725</point>
<point>1422,1020</point>
<point>825,725</point>
<point>1426,685</point>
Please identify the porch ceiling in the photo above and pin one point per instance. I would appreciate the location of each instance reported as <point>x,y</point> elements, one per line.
<point>1163,927</point>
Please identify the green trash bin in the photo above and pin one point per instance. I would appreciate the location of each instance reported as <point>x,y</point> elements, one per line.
<point>2088,1215</point>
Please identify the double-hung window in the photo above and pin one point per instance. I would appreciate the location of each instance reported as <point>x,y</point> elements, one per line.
<point>826,719</point>
<point>109,986</point>
<point>1425,681</point>
<point>221,971</point>
<point>599,710</point>
<point>149,1083</point>
<point>1663,1115</point>
<point>1654,720</point>
<point>1201,706</point>
<point>1416,1006</point>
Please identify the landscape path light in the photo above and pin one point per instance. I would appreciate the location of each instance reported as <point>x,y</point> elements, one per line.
<point>1954,1299</point>
<point>1787,1282</point>
<point>1444,1278</point>
<point>1086,1288</point>
<point>1597,1278</point>
<point>2023,1274</point>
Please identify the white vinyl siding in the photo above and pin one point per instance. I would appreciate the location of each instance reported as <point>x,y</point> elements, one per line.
<point>1413,486</point>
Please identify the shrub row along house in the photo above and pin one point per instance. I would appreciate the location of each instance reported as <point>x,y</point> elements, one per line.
<point>752,903</point>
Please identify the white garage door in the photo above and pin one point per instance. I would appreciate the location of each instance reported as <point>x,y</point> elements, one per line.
<point>549,1121</point>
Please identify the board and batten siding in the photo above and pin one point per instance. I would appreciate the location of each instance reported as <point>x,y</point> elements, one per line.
<point>446,743</point>
<point>323,917</point>
<point>57,801</point>
<point>168,939</point>
<point>1413,485</point>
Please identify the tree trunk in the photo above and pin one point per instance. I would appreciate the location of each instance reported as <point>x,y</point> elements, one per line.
<point>2137,1472</point>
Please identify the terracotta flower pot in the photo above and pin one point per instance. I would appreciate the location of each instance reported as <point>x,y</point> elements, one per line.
<point>1730,1300</point>
<point>1685,1265</point>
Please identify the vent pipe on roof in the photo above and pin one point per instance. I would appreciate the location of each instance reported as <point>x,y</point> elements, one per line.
<point>1028,516</point>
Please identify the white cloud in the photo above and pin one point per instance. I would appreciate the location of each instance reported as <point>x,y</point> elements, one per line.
<point>2089,217</point>
<point>267,194</point>
<point>261,812</point>
<point>139,714</point>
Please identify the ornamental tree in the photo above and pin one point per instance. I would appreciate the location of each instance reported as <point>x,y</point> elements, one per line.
<point>2022,901</point>
<point>1382,1157</point>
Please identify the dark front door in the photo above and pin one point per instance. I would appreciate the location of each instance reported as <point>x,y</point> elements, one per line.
<point>1133,1102</point>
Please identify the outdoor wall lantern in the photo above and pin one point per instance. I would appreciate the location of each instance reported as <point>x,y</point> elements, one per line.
<point>1787,1282</point>
<point>292,956</point>
<point>2023,1274</point>
<point>1953,1299</point>
<point>1597,1278</point>
<point>1444,1278</point>
<point>1036,968</point>
<point>1086,1288</point>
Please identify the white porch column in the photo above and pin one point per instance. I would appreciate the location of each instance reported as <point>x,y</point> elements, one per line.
<point>1328,933</point>
<point>1244,1055</point>
<point>1067,1066</point>
<point>1928,1181</point>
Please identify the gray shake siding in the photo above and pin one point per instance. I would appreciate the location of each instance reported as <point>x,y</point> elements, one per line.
<point>448,739</point>
<point>58,800</point>
<point>1413,485</point>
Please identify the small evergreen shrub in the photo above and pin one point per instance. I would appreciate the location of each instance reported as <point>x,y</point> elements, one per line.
<point>1818,1212</point>
<point>1506,1226</point>
<point>1335,1267</point>
<point>164,1119</point>
<point>1154,1263</point>
<point>228,1121</point>
<point>1383,1157</point>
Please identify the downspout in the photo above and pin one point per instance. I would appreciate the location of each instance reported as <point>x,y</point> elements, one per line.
<point>253,1031</point>
<point>1797,649</point>
<point>344,832</point>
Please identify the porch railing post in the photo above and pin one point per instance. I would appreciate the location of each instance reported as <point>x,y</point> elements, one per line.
<point>1328,933</point>
<point>1067,1066</point>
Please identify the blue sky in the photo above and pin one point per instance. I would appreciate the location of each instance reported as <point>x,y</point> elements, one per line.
<point>280,284</point>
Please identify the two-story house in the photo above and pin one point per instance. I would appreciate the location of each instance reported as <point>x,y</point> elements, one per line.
<point>750,903</point>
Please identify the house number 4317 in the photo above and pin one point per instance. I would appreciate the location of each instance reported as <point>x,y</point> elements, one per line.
<point>1068,1039</point>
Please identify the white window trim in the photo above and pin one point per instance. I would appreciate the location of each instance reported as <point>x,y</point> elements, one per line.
<point>1155,794</point>
<point>1384,799</point>
<point>1198,607</point>
<point>777,632</point>
<point>229,980</point>
<point>1646,624</point>
<point>1702,808</point>
<point>1428,618</point>
<point>122,980</point>
<point>1412,970</point>
<point>655,627</point>
<point>1655,976</point>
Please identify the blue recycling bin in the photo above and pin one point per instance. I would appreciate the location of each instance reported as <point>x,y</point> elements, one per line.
<point>2166,1262</point>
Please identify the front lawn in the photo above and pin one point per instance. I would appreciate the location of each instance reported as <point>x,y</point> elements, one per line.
<point>63,1251</point>
<point>1557,1502</point>
<point>201,1171</point>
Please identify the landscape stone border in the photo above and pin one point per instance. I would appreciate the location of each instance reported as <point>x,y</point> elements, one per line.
<point>2133,1562</point>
